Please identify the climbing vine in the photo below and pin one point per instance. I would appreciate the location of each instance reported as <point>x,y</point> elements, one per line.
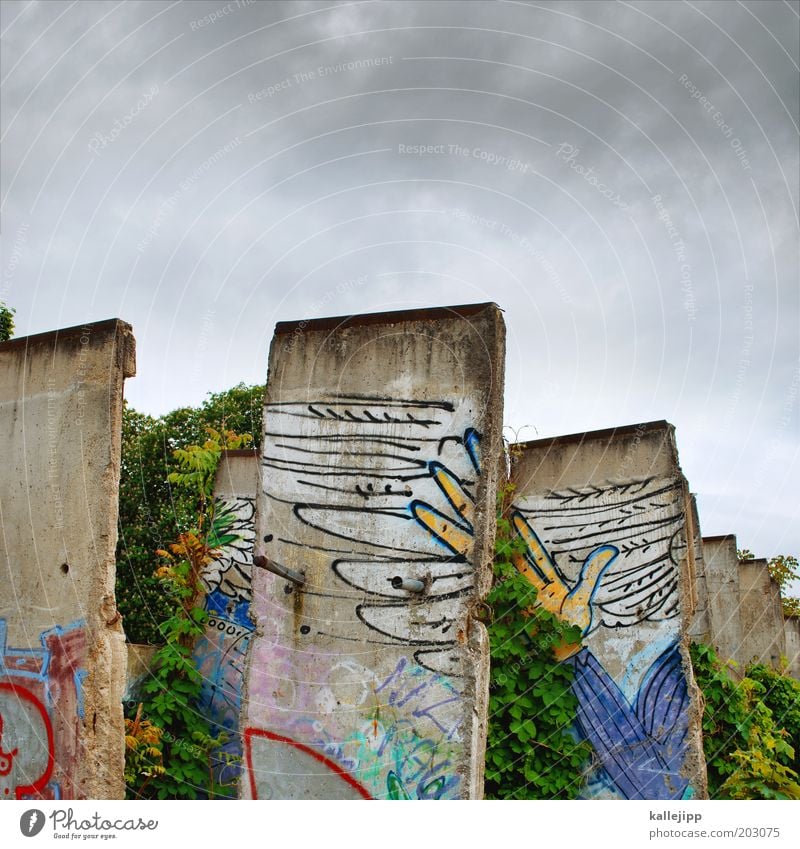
<point>748,754</point>
<point>182,752</point>
<point>532,752</point>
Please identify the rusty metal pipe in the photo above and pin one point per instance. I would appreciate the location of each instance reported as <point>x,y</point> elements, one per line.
<point>281,571</point>
<point>412,585</point>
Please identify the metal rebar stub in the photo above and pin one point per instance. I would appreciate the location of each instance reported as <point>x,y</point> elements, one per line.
<point>411,585</point>
<point>278,569</point>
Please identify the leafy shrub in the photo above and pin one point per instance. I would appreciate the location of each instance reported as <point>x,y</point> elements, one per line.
<point>748,755</point>
<point>532,752</point>
<point>782,697</point>
<point>144,758</point>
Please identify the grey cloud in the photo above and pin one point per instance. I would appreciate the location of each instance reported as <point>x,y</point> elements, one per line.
<point>252,188</point>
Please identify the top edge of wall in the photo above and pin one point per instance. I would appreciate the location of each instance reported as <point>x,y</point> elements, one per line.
<point>607,433</point>
<point>240,452</point>
<point>721,538</point>
<point>66,334</point>
<point>362,320</point>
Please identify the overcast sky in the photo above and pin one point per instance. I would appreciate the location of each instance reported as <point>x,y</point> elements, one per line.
<point>621,178</point>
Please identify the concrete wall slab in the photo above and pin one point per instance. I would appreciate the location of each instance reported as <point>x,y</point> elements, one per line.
<point>760,614</point>
<point>380,461</point>
<point>611,545</point>
<point>62,649</point>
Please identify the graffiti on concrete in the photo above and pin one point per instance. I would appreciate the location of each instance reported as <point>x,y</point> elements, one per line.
<point>376,477</point>
<point>404,732</point>
<point>27,749</point>
<point>41,705</point>
<point>278,757</point>
<point>642,746</point>
<point>220,653</point>
<point>607,558</point>
<point>640,523</point>
<point>374,490</point>
<point>229,576</point>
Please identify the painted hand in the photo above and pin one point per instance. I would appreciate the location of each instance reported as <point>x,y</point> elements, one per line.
<point>454,530</point>
<point>572,604</point>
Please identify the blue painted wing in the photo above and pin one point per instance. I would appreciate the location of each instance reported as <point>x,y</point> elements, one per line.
<point>640,765</point>
<point>662,707</point>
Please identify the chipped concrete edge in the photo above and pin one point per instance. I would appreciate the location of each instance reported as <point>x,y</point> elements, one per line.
<point>694,764</point>
<point>102,764</point>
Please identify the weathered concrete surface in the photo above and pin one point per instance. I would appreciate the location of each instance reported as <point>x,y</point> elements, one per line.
<point>791,633</point>
<point>381,452</point>
<point>62,649</point>
<point>724,599</point>
<point>760,614</point>
<point>221,653</point>
<point>700,627</point>
<point>607,518</point>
